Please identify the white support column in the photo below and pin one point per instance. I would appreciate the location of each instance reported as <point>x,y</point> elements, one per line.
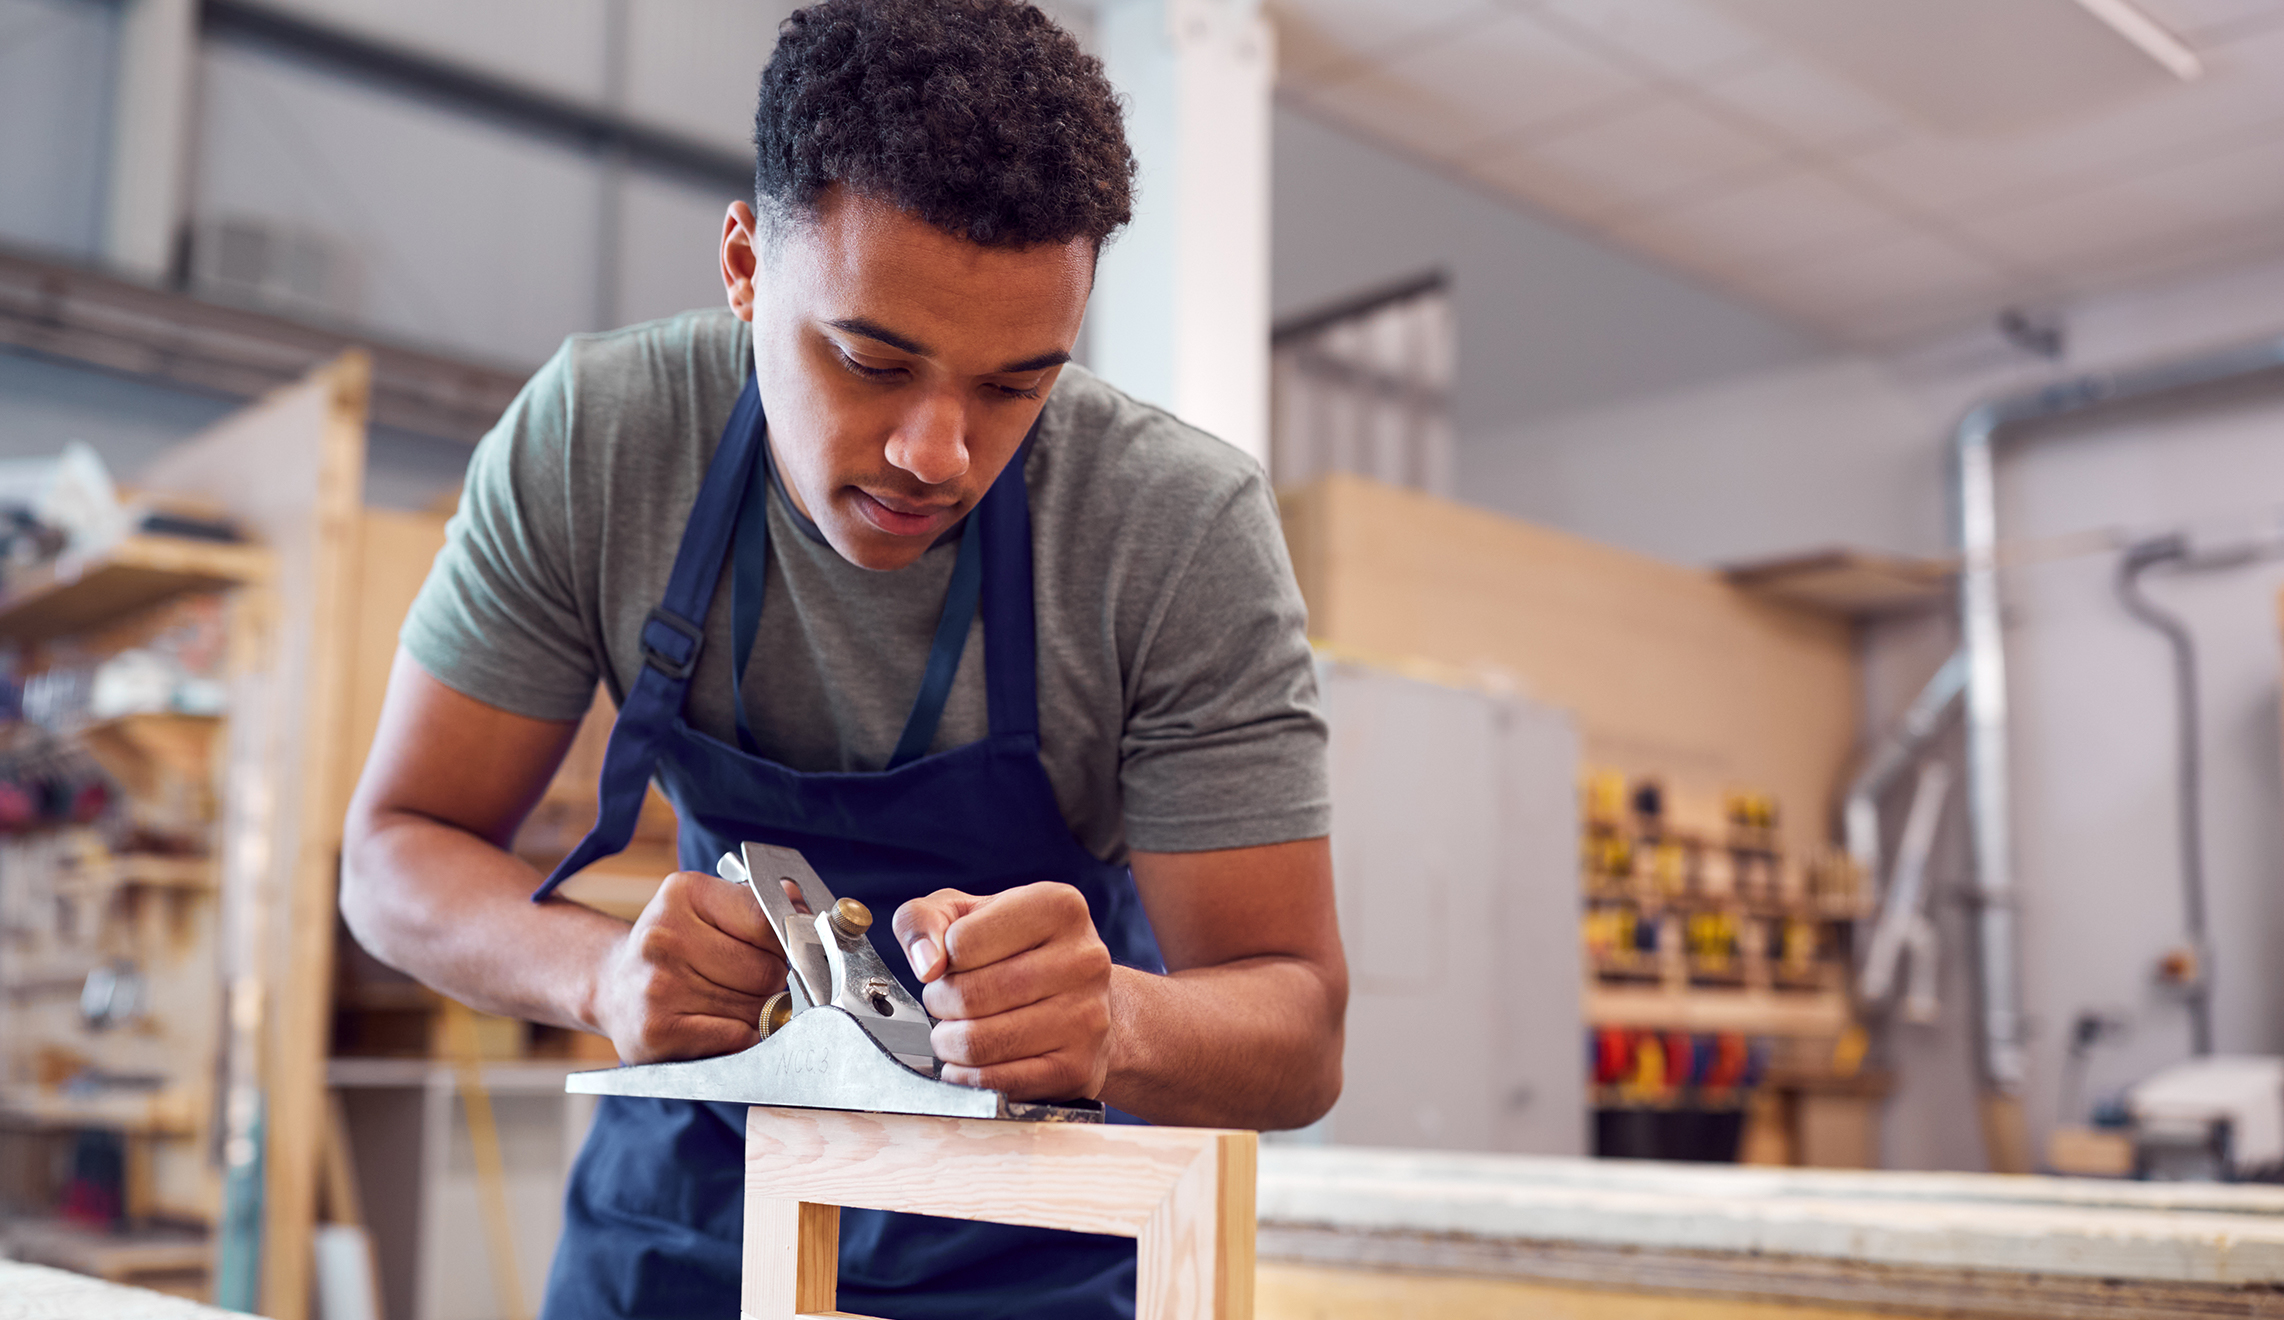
<point>1181,302</point>
<point>150,138</point>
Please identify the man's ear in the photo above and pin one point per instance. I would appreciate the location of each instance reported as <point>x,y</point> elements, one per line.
<point>741,258</point>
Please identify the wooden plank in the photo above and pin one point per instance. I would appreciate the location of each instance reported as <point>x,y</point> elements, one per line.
<point>290,470</point>
<point>1094,1178</point>
<point>1186,1194</point>
<point>1670,670</point>
<point>1850,583</point>
<point>75,593</point>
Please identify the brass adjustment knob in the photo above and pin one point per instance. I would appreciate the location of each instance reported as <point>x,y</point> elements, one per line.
<point>775,1013</point>
<point>850,917</point>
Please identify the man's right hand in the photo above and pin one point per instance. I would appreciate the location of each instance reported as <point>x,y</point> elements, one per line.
<point>688,980</point>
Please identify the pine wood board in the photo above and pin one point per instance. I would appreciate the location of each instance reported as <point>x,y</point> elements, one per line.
<point>1670,670</point>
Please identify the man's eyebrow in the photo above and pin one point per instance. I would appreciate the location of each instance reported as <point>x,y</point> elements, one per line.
<point>1038,363</point>
<point>857,325</point>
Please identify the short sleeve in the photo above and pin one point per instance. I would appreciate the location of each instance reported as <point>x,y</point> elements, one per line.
<point>1224,744</point>
<point>498,618</point>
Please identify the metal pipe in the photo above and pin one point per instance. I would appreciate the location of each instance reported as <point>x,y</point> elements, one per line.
<point>1975,533</point>
<point>1860,814</point>
<point>1899,913</point>
<point>2137,561</point>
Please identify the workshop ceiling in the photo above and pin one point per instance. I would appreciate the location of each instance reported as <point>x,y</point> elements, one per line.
<point>1876,169</point>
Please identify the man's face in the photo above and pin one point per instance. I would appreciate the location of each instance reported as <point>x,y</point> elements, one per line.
<point>901,366</point>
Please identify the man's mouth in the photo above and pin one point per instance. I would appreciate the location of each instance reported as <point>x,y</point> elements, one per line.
<point>902,517</point>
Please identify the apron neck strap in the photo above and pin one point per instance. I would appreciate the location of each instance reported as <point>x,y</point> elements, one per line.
<point>1010,639</point>
<point>1010,657</point>
<point>671,640</point>
<point>671,637</point>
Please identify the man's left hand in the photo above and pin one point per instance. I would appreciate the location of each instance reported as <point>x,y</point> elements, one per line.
<point>1019,983</point>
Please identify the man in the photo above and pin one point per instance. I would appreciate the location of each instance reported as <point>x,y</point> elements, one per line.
<point>766,529</point>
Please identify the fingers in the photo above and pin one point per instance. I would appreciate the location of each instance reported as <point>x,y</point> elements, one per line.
<point>1020,984</point>
<point>920,927</point>
<point>687,1036</point>
<point>715,930</point>
<point>1013,920</point>
<point>1030,977</point>
<point>1043,1051</point>
<point>728,908</point>
<point>689,978</point>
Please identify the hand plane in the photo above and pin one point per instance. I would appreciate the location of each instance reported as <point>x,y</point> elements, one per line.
<point>843,1034</point>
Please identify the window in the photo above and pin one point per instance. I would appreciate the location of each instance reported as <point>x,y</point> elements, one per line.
<point>1365,387</point>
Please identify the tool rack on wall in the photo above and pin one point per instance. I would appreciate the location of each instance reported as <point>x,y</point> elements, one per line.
<point>113,670</point>
<point>1716,976</point>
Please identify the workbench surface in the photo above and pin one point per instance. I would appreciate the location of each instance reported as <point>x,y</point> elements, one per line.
<point>1966,1243</point>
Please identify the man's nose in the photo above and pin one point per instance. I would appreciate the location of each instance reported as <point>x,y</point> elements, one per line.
<point>931,444</point>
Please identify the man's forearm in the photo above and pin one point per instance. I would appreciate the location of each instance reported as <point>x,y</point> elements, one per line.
<point>453,910</point>
<point>1253,1044</point>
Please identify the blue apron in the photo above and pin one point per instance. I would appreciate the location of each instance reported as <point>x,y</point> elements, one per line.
<point>654,1214</point>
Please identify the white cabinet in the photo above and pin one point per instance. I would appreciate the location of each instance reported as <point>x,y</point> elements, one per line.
<point>1454,855</point>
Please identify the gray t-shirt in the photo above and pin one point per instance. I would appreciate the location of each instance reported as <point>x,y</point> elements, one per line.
<point>1177,702</point>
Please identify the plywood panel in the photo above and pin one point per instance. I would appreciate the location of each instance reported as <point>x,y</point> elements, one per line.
<point>1669,669</point>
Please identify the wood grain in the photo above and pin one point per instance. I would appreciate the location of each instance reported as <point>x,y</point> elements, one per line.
<point>1186,1194</point>
<point>792,1257</point>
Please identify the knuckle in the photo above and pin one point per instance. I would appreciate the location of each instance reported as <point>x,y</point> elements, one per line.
<point>951,1041</point>
<point>943,999</point>
<point>656,945</point>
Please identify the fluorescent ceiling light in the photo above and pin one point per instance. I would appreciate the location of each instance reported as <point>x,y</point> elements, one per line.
<point>2126,19</point>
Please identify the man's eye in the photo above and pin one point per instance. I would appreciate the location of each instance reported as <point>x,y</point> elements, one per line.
<point>1013,393</point>
<point>857,368</point>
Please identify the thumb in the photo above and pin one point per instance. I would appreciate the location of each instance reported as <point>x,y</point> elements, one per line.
<point>920,925</point>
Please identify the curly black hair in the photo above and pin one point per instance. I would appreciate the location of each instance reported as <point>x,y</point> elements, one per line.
<point>981,117</point>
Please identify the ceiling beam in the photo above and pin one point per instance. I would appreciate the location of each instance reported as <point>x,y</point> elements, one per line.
<point>477,93</point>
<point>90,319</point>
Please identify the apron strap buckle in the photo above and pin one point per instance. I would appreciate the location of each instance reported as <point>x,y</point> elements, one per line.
<point>670,644</point>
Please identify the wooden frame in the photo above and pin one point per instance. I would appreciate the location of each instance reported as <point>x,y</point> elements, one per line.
<point>1185,1194</point>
